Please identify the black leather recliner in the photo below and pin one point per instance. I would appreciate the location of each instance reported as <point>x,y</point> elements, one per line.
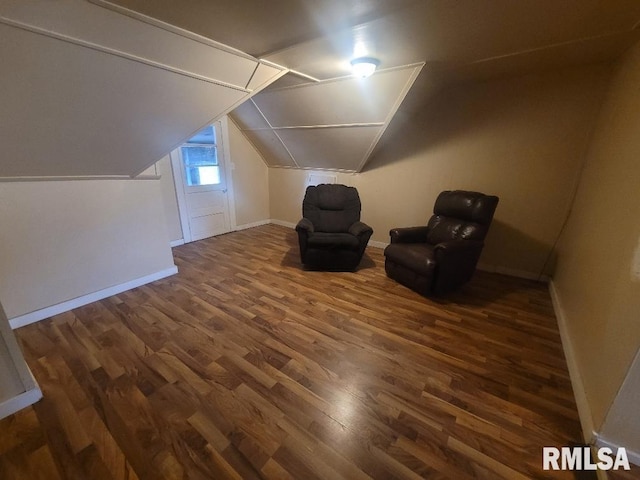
<point>442,256</point>
<point>330,234</point>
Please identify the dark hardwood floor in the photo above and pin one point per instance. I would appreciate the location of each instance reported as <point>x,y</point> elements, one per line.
<point>244,366</point>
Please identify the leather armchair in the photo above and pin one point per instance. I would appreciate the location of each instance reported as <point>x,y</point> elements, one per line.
<point>330,234</point>
<point>442,256</point>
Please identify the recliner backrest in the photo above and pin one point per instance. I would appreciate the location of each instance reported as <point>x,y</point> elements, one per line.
<point>461,215</point>
<point>331,208</point>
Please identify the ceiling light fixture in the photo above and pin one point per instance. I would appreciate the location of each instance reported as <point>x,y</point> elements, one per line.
<point>364,67</point>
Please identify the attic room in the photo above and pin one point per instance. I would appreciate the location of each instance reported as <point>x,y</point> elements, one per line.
<point>143,338</point>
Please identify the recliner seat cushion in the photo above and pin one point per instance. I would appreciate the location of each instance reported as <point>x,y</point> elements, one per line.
<point>334,240</point>
<point>418,257</point>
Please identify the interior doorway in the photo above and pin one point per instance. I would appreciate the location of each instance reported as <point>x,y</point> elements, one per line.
<point>202,179</point>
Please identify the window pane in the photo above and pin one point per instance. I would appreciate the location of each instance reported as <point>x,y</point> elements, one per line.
<point>208,175</point>
<point>203,155</point>
<point>201,165</point>
<point>206,135</point>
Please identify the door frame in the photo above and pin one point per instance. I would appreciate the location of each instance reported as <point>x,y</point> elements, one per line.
<point>178,181</point>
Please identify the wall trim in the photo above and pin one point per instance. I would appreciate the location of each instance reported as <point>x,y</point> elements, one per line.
<point>236,228</point>
<point>282,223</point>
<point>376,244</point>
<point>584,411</point>
<point>23,400</point>
<point>600,441</point>
<point>513,272</point>
<point>245,226</point>
<point>128,56</point>
<point>29,392</point>
<point>170,28</point>
<point>37,315</point>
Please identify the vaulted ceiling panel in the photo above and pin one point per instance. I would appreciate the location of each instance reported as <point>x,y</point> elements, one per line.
<point>342,101</point>
<point>345,116</point>
<point>87,91</point>
<point>248,117</point>
<point>79,19</point>
<point>98,121</point>
<point>340,148</point>
<point>263,74</point>
<point>177,70</point>
<point>271,147</point>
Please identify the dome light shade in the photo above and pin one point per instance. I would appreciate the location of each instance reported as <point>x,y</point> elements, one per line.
<point>364,66</point>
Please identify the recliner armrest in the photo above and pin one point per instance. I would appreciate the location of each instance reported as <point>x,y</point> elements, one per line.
<point>454,247</point>
<point>409,234</point>
<point>456,263</point>
<point>304,225</point>
<point>359,228</point>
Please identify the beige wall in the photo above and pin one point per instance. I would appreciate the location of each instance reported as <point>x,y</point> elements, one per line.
<point>522,139</point>
<point>250,179</point>
<point>598,275</point>
<point>286,191</point>
<point>169,201</point>
<point>62,240</point>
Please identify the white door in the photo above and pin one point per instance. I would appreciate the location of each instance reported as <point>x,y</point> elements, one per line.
<point>201,181</point>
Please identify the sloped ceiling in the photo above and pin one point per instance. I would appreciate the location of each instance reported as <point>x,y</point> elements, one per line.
<point>86,91</point>
<point>307,118</point>
<point>456,41</point>
<point>333,124</point>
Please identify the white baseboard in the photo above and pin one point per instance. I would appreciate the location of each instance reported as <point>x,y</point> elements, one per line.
<point>23,400</point>
<point>176,243</point>
<point>245,226</point>
<point>282,223</point>
<point>513,272</point>
<point>584,411</point>
<point>36,316</point>
<point>634,457</point>
<point>376,244</point>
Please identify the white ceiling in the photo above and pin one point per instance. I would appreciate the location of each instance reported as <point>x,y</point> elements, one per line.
<point>107,94</point>
<point>318,37</point>
<point>130,87</point>
<point>330,124</point>
<point>457,41</point>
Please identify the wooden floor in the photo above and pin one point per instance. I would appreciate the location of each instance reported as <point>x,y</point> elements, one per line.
<point>245,366</point>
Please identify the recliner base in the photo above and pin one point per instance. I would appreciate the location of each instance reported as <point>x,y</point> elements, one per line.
<point>409,278</point>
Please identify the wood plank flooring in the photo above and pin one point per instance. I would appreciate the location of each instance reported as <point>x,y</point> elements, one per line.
<point>244,366</point>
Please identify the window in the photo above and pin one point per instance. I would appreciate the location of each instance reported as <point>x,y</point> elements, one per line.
<point>200,158</point>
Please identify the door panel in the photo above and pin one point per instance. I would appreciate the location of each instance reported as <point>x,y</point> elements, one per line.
<point>207,214</point>
<point>203,184</point>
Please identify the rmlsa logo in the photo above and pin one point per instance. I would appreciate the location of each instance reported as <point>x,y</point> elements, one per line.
<point>579,458</point>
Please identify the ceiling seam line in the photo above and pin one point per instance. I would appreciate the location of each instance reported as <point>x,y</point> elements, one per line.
<point>287,149</point>
<point>310,127</point>
<point>347,77</point>
<point>116,53</point>
<point>275,133</point>
<point>392,112</point>
<point>550,46</point>
<point>167,27</point>
<point>253,74</point>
